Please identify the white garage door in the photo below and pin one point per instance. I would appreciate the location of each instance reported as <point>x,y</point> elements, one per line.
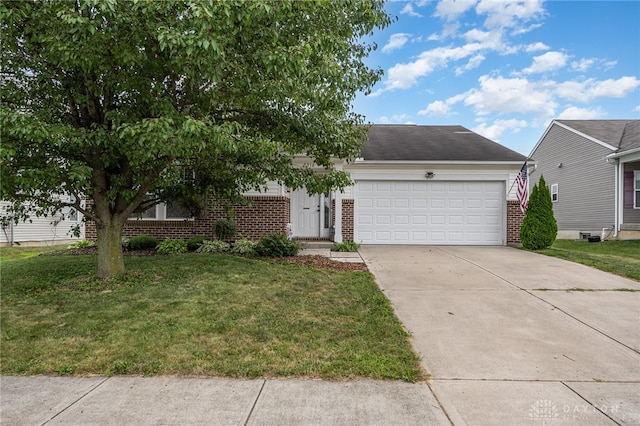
<point>456,213</point>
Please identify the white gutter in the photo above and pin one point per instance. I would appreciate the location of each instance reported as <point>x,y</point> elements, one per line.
<point>623,153</point>
<point>445,162</point>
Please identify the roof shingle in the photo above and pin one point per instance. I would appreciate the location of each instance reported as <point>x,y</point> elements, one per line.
<point>432,143</point>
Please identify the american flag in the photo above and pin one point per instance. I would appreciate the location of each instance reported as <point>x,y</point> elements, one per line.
<point>523,188</point>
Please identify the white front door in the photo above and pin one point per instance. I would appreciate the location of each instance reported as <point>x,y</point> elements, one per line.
<point>305,214</point>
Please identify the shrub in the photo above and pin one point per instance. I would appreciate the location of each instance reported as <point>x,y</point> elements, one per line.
<point>224,229</point>
<point>277,245</point>
<point>539,227</point>
<point>81,244</point>
<point>194,242</point>
<point>170,246</point>
<point>142,242</point>
<point>215,246</point>
<point>244,247</point>
<point>347,245</point>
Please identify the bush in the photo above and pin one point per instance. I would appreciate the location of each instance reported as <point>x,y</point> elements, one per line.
<point>224,229</point>
<point>81,244</point>
<point>215,246</point>
<point>244,247</point>
<point>142,242</point>
<point>539,227</point>
<point>277,245</point>
<point>170,246</point>
<point>194,243</point>
<point>347,245</point>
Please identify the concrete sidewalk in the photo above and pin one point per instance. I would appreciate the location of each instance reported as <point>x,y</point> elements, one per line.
<point>47,400</point>
<point>505,341</point>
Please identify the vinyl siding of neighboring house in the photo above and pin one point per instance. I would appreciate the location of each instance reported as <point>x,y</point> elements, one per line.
<point>47,230</point>
<point>585,180</point>
<point>630,214</point>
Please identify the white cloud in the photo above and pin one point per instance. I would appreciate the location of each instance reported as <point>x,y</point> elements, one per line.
<point>536,47</point>
<point>395,119</point>
<point>396,41</point>
<point>587,90</point>
<point>582,65</point>
<point>575,113</point>
<point>408,10</point>
<point>509,13</point>
<point>495,130</point>
<point>474,62</point>
<point>547,62</point>
<point>511,95</point>
<point>436,109</point>
<point>452,9</point>
<point>637,109</point>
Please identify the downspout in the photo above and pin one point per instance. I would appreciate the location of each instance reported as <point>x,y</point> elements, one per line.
<point>616,223</point>
<point>616,196</point>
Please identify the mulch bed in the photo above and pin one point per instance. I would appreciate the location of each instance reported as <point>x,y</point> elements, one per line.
<point>320,262</point>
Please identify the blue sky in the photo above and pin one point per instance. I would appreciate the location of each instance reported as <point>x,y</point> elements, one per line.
<point>506,68</point>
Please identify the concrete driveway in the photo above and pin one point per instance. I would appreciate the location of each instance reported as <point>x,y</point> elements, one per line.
<point>512,337</point>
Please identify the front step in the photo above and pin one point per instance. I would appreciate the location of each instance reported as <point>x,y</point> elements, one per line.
<point>318,244</point>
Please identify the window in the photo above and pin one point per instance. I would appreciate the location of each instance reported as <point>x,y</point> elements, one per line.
<point>554,192</point>
<point>72,213</point>
<point>163,211</point>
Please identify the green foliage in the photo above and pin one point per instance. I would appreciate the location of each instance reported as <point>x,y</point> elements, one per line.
<point>215,246</point>
<point>347,245</point>
<point>119,99</point>
<point>171,246</point>
<point>539,227</point>
<point>126,243</point>
<point>142,242</point>
<point>194,242</point>
<point>277,245</point>
<point>224,229</point>
<point>244,247</point>
<point>81,244</point>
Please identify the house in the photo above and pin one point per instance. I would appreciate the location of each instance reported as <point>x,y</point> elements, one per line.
<point>40,231</point>
<point>412,185</point>
<point>592,168</point>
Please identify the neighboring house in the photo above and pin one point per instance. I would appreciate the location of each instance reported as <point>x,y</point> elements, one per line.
<point>592,168</point>
<point>40,231</point>
<point>412,185</point>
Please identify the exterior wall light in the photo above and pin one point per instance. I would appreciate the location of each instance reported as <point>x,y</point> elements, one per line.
<point>429,175</point>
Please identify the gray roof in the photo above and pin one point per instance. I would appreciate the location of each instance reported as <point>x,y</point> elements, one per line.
<point>622,134</point>
<point>408,142</point>
<point>631,137</point>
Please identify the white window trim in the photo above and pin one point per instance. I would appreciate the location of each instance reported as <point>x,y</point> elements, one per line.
<point>554,191</point>
<point>161,214</point>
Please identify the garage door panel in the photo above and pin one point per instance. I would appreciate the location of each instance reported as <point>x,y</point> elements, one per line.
<point>388,212</point>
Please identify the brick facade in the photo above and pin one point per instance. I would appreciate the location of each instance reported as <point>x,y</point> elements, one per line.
<point>514,222</point>
<point>347,219</point>
<point>263,216</point>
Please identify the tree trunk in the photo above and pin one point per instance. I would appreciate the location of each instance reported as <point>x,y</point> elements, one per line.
<point>110,260</point>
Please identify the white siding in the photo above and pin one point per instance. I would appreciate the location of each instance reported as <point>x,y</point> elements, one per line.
<point>40,230</point>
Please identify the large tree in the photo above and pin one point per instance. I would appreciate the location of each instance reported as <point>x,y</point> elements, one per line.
<point>111,101</point>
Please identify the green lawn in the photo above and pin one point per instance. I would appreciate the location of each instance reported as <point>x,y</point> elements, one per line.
<point>17,252</point>
<point>618,257</point>
<point>198,315</point>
